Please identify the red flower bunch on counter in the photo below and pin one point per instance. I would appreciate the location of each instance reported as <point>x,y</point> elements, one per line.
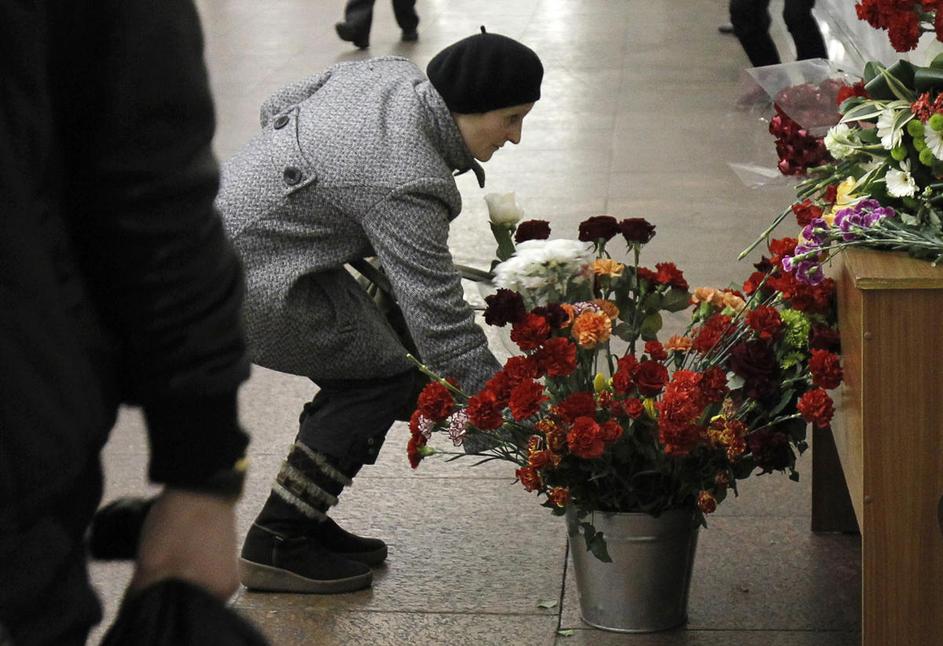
<point>797,149</point>
<point>904,20</point>
<point>598,413</point>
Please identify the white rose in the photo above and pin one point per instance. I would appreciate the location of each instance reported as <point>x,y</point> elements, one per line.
<point>503,210</point>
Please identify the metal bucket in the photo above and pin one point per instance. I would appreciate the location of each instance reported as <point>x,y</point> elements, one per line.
<point>645,587</point>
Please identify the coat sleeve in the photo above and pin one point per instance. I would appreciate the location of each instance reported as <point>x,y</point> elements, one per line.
<point>160,270</point>
<point>409,232</point>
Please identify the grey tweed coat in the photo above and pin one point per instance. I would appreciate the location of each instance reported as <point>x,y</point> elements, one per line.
<point>355,162</point>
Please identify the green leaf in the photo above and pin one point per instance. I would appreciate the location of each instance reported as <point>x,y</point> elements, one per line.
<point>676,300</point>
<point>598,547</point>
<point>505,245</point>
<point>624,331</point>
<point>547,605</point>
<point>794,476</point>
<point>861,112</point>
<point>786,398</point>
<point>651,324</point>
<point>566,632</point>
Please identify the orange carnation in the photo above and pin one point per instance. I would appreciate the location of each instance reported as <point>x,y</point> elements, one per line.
<point>608,308</point>
<point>591,328</point>
<point>607,267</point>
<point>677,342</point>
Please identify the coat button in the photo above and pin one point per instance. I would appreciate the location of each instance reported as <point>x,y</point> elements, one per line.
<point>292,175</point>
<point>281,121</point>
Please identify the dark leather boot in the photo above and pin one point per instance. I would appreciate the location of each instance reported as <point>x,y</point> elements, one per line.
<point>370,551</point>
<point>273,562</point>
<point>346,31</point>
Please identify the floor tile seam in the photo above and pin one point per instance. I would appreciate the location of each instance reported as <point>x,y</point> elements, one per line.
<point>382,611</point>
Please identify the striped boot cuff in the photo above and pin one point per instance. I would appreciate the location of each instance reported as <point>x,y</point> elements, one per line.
<point>322,464</point>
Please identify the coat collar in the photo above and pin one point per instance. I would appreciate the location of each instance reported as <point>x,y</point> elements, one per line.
<point>453,147</point>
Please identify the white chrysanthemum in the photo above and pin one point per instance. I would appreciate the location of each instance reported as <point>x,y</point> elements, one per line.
<point>890,138</point>
<point>840,141</point>
<point>934,142</point>
<point>900,183</point>
<point>503,210</point>
<point>540,270</point>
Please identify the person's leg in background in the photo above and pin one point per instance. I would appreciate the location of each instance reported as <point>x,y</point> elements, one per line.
<point>358,18</point>
<point>407,19</point>
<point>804,29</point>
<point>751,22</point>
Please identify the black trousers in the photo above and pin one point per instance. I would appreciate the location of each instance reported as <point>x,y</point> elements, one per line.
<point>751,21</point>
<point>359,14</point>
<point>45,594</point>
<point>348,419</point>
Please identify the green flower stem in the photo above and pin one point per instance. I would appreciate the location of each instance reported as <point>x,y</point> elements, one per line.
<point>766,233</point>
<point>424,369</point>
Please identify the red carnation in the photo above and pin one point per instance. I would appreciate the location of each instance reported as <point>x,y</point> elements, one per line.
<point>505,306</point>
<point>711,332</point>
<point>435,401</point>
<point>416,442</point>
<point>670,275</point>
<point>599,227</point>
<point>624,379</point>
<point>714,384</point>
<point>529,478</point>
<point>579,404</point>
<point>556,357</point>
<point>484,411</point>
<point>519,368</point>
<point>826,369</point>
<point>585,439</point>
<point>651,378</point>
<point>815,406</point>
<point>637,230</point>
<point>753,283</point>
<point>530,332</point>
<point>845,92</point>
<point>766,322</point>
<point>655,350</point>
<point>647,274</point>
<point>610,431</point>
<point>526,399</point>
<point>806,211</point>
<point>532,230</point>
<point>633,407</point>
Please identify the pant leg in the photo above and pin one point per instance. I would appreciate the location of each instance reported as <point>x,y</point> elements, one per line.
<point>406,16</point>
<point>45,594</point>
<point>751,21</point>
<point>349,418</point>
<point>804,29</point>
<point>359,15</point>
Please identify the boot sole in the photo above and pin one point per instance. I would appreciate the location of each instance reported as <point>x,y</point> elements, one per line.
<point>266,578</point>
<point>376,557</point>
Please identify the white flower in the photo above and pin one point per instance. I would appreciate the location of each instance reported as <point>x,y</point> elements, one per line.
<point>840,141</point>
<point>900,183</point>
<point>458,427</point>
<point>503,210</point>
<point>934,142</point>
<point>890,138</point>
<point>541,270</point>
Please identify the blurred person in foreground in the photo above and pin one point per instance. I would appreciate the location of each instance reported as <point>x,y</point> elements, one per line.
<point>351,163</point>
<point>117,286</point>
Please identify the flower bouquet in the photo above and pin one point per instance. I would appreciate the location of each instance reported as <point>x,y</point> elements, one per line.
<point>883,188</point>
<point>598,414</point>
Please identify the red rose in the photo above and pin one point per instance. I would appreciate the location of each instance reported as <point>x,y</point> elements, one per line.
<point>484,411</point>
<point>530,332</point>
<point>815,406</point>
<point>651,378</point>
<point>556,357</point>
<point>766,322</point>
<point>770,449</point>
<point>756,363</point>
<point>529,477</point>
<point>585,439</point>
<point>581,404</point>
<point>435,401</point>
<point>526,399</point>
<point>826,369</point>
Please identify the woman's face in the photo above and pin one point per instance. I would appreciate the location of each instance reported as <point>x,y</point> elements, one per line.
<point>485,132</point>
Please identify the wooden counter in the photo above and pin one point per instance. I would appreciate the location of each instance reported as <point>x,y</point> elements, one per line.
<point>888,436</point>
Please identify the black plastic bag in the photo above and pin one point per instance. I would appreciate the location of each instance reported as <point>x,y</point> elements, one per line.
<point>177,613</point>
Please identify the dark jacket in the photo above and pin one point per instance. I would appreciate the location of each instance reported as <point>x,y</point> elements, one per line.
<point>117,284</point>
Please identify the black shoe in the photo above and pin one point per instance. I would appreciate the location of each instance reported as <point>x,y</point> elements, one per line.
<point>410,36</point>
<point>271,562</point>
<point>346,31</point>
<point>370,551</point>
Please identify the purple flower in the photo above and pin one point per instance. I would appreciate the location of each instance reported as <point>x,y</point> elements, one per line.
<point>863,215</point>
<point>809,273</point>
<point>816,232</point>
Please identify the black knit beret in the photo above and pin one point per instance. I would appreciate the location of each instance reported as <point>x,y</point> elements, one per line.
<point>486,72</point>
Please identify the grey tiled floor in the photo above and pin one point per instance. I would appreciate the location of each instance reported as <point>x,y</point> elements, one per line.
<point>637,119</point>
